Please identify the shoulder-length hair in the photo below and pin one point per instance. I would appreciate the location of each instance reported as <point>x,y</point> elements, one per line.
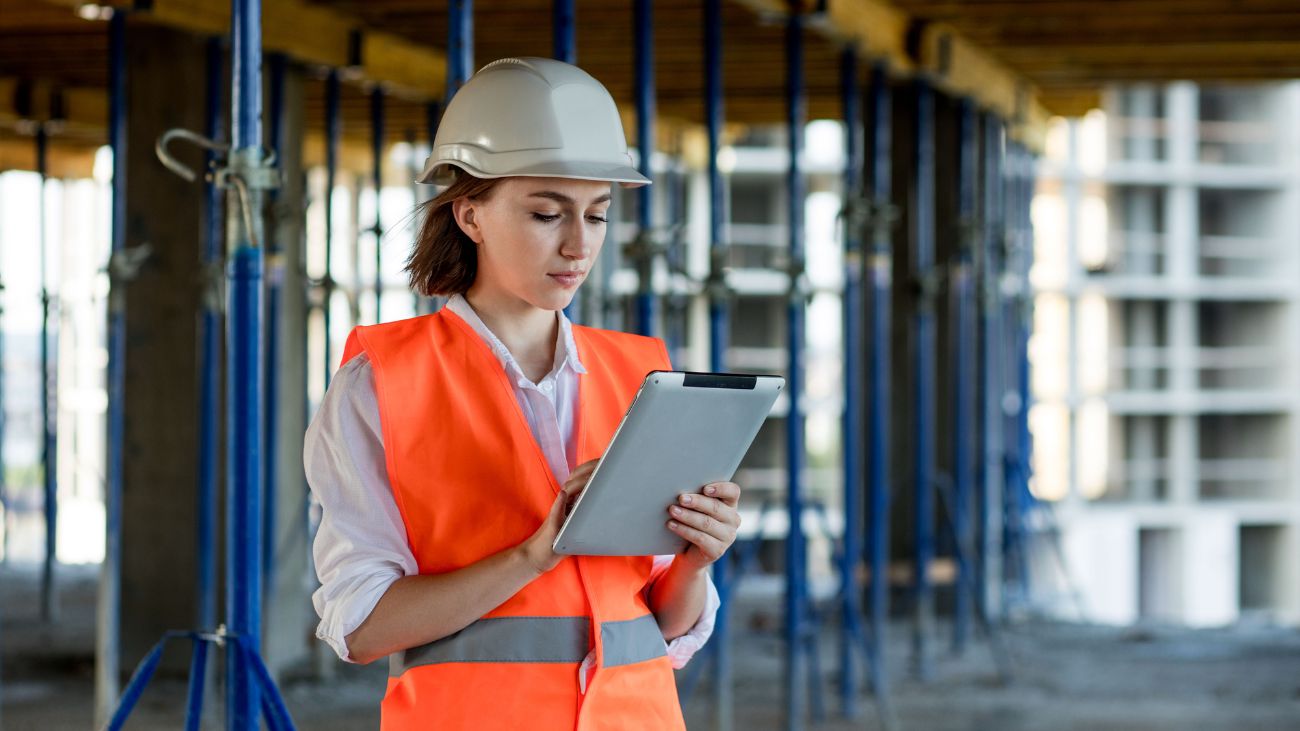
<point>444,261</point>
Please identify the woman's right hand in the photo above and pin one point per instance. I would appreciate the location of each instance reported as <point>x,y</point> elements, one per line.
<point>537,548</point>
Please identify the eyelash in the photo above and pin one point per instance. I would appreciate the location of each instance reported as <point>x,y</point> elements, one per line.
<point>548,219</point>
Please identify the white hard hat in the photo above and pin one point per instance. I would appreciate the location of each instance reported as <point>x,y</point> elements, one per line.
<point>534,117</point>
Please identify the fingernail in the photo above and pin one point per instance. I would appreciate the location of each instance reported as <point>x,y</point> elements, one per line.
<point>675,510</point>
<point>672,525</point>
<point>710,490</point>
<point>686,499</point>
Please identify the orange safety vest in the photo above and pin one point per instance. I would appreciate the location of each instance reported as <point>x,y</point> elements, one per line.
<point>470,481</point>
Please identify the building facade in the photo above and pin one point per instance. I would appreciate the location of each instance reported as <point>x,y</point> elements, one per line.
<point>1164,355</point>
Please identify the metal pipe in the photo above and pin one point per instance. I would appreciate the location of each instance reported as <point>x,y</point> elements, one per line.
<point>644,93</point>
<point>49,393</point>
<point>209,351</point>
<point>565,48</point>
<point>244,364</point>
<point>796,578</point>
<point>563,31</point>
<point>923,367</point>
<point>460,44</point>
<point>332,133</point>
<point>278,132</point>
<point>723,680</point>
<point>108,620</point>
<point>881,283</point>
<point>377,181</point>
<point>963,354</point>
<point>851,422</point>
<point>989,401</point>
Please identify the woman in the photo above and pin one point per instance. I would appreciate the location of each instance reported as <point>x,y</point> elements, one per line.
<point>449,447</point>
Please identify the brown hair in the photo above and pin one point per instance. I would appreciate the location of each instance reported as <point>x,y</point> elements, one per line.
<point>444,260</point>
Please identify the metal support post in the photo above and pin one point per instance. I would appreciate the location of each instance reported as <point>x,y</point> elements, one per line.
<point>798,632</point>
<point>108,619</point>
<point>460,44</point>
<point>1017,308</point>
<point>963,352</point>
<point>989,398</point>
<point>923,383</point>
<point>244,393</point>
<point>879,177</point>
<point>644,250</point>
<point>209,351</point>
<point>565,48</point>
<point>850,553</point>
<point>377,181</point>
<point>49,396</point>
<point>719,300</point>
<point>563,31</point>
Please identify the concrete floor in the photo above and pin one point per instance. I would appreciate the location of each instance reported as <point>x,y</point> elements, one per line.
<point>1064,677</point>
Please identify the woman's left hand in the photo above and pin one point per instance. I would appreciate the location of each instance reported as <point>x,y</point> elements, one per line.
<point>708,520</point>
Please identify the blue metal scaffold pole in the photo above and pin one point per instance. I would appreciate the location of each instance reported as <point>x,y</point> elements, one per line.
<point>460,44</point>
<point>49,397</point>
<point>989,401</point>
<point>563,31</point>
<point>244,393</point>
<point>564,46</point>
<point>878,380</point>
<point>377,181</point>
<point>799,637</point>
<point>209,352</point>
<point>719,325</point>
<point>643,249</point>
<point>850,556</point>
<point>963,342</point>
<point>923,383</point>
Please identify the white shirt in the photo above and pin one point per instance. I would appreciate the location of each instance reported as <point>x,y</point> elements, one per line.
<point>361,548</point>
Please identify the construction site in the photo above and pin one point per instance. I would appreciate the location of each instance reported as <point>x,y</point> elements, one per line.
<point>1026,271</point>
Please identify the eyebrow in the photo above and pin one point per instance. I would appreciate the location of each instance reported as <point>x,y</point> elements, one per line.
<point>562,198</point>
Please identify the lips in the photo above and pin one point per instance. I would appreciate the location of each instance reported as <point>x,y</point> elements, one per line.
<point>567,279</point>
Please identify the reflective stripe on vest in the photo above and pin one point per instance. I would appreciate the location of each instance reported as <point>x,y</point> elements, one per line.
<point>537,640</point>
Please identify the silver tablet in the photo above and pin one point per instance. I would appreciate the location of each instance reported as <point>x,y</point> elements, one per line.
<point>682,431</point>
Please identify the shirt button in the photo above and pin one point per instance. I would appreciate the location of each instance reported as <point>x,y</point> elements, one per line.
<point>547,386</point>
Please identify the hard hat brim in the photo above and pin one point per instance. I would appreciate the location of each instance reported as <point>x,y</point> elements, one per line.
<point>439,173</point>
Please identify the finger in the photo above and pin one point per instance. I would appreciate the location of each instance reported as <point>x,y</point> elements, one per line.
<point>727,492</point>
<point>710,506</point>
<point>705,523</point>
<point>711,547</point>
<point>559,507</point>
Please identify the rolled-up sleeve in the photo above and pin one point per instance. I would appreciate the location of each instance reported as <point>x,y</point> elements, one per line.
<point>682,649</point>
<point>360,547</point>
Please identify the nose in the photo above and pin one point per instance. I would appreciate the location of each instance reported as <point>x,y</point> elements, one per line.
<point>579,240</point>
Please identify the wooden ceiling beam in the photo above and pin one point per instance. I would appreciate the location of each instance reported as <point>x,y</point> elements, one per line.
<point>314,34</point>
<point>878,28</point>
<point>976,10</point>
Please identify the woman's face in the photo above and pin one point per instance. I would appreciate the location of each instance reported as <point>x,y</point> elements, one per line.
<point>537,237</point>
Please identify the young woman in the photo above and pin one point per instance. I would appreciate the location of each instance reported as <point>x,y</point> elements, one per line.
<point>448,447</point>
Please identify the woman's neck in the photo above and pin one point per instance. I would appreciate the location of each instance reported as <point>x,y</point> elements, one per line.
<point>528,332</point>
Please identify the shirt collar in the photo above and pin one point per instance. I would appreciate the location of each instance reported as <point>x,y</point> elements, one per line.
<point>566,349</point>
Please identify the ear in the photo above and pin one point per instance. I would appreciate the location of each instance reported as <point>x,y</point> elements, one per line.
<point>465,212</point>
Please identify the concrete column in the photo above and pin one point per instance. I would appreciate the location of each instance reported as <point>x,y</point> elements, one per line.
<point>1209,569</point>
<point>1182,244</point>
<point>167,71</point>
